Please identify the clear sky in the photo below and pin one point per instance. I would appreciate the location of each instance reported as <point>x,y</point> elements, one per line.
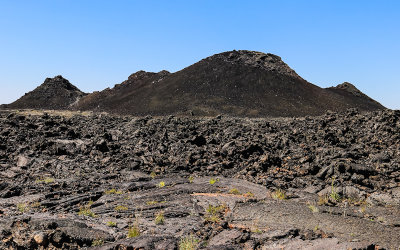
<point>96,44</point>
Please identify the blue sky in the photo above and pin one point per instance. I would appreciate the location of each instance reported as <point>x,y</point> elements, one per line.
<point>96,44</point>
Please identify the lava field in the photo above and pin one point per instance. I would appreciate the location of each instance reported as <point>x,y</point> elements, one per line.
<point>80,180</point>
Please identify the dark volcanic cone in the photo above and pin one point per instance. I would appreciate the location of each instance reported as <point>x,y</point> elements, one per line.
<point>355,97</point>
<point>54,93</point>
<point>238,83</point>
<point>122,98</point>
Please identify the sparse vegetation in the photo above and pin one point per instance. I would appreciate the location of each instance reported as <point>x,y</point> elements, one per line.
<point>113,191</point>
<point>249,194</point>
<point>313,208</point>
<point>111,224</point>
<point>213,218</point>
<point>120,208</point>
<point>279,194</point>
<point>86,211</point>
<point>46,180</point>
<point>334,195</point>
<point>355,201</point>
<point>255,228</point>
<point>22,207</point>
<point>161,184</point>
<point>331,198</point>
<point>323,200</point>
<point>215,209</point>
<point>35,204</point>
<point>150,203</point>
<point>97,243</point>
<point>153,175</point>
<point>191,179</point>
<point>160,219</point>
<point>133,231</point>
<point>234,191</point>
<point>363,207</point>
<point>215,213</point>
<point>189,242</point>
<point>213,181</point>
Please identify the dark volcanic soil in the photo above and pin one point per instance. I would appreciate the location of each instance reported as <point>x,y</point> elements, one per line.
<point>238,83</point>
<point>80,181</point>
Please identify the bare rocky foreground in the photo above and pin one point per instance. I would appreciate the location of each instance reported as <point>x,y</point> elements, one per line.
<point>120,182</point>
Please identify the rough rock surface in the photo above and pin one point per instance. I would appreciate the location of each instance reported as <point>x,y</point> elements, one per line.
<point>54,93</point>
<point>327,182</point>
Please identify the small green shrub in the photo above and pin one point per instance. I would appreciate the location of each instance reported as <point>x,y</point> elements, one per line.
<point>111,224</point>
<point>113,191</point>
<point>213,181</point>
<point>279,194</point>
<point>191,179</point>
<point>97,243</point>
<point>150,203</point>
<point>313,208</point>
<point>234,191</point>
<point>256,230</point>
<point>161,184</point>
<point>215,213</point>
<point>86,211</point>
<point>189,242</point>
<point>363,207</point>
<point>334,195</point>
<point>35,204</point>
<point>254,227</point>
<point>22,207</point>
<point>153,175</point>
<point>323,200</point>
<point>215,209</point>
<point>160,219</point>
<point>133,231</point>
<point>46,180</point>
<point>249,194</point>
<point>120,208</point>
